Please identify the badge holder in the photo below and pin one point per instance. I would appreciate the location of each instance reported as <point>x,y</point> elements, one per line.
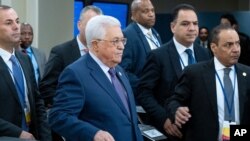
<point>226,130</point>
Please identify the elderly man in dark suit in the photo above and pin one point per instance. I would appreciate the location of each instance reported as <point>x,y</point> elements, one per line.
<point>142,38</point>
<point>22,111</point>
<point>165,64</point>
<point>94,100</point>
<point>212,95</point>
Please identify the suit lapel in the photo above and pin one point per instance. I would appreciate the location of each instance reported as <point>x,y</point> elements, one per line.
<point>198,54</point>
<point>210,85</point>
<point>156,35</point>
<point>241,89</point>
<point>174,58</point>
<point>100,77</point>
<point>142,38</point>
<point>26,67</point>
<point>26,73</point>
<point>7,77</point>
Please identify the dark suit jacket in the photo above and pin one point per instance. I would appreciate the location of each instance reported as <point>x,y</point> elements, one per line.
<point>198,41</point>
<point>40,59</point>
<point>245,49</point>
<point>60,56</point>
<point>197,90</point>
<point>11,112</point>
<point>159,77</point>
<point>135,52</point>
<point>86,102</point>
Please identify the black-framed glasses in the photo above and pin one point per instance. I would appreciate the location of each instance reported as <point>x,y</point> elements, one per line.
<point>116,41</point>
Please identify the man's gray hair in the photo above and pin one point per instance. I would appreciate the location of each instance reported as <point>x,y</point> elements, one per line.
<point>97,10</point>
<point>96,27</point>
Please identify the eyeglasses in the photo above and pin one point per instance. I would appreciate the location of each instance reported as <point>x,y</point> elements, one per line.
<point>116,42</point>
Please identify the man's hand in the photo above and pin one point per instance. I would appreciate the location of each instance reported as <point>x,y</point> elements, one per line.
<point>26,135</point>
<point>172,129</point>
<point>182,115</point>
<point>103,136</point>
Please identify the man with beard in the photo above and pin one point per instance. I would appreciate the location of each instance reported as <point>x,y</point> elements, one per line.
<point>37,57</point>
<point>142,38</point>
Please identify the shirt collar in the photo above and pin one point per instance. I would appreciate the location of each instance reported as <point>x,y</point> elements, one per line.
<point>104,67</point>
<point>6,55</point>
<point>80,44</point>
<point>28,50</point>
<point>219,66</point>
<point>143,29</point>
<point>180,48</point>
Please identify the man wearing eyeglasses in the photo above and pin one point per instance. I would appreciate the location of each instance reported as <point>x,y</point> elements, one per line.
<point>94,100</point>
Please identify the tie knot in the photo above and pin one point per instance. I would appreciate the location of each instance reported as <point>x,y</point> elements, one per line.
<point>150,33</point>
<point>24,51</point>
<point>112,72</point>
<point>189,52</point>
<point>227,71</point>
<point>13,59</point>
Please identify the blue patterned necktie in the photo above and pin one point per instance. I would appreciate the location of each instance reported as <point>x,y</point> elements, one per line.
<point>19,84</point>
<point>229,92</point>
<point>190,56</point>
<point>119,89</point>
<point>18,77</point>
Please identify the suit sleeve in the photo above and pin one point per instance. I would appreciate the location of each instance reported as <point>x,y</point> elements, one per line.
<point>181,95</point>
<point>148,82</point>
<point>48,84</point>
<point>68,103</point>
<point>9,129</point>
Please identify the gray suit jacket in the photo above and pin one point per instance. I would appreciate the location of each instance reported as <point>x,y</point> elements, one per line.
<point>40,59</point>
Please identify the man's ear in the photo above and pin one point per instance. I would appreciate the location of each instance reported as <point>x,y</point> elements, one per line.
<point>213,46</point>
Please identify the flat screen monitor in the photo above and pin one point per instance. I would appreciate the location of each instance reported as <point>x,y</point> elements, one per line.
<point>78,5</point>
<point>117,10</point>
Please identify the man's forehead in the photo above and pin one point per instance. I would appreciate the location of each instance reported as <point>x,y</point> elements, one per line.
<point>8,15</point>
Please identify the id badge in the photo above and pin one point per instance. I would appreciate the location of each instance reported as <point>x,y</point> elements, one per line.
<point>27,116</point>
<point>226,130</point>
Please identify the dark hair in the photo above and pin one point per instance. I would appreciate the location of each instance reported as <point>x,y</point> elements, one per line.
<point>179,7</point>
<point>4,7</point>
<point>214,36</point>
<point>230,18</point>
<point>203,27</point>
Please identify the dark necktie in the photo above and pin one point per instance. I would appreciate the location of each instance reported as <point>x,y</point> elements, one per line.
<point>19,84</point>
<point>190,56</point>
<point>24,51</point>
<point>203,44</point>
<point>119,89</point>
<point>229,92</point>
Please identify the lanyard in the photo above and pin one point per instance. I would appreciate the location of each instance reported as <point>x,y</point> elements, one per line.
<point>229,107</point>
<point>155,41</point>
<point>182,63</point>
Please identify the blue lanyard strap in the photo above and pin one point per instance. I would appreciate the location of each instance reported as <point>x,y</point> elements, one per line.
<point>229,107</point>
<point>182,63</point>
